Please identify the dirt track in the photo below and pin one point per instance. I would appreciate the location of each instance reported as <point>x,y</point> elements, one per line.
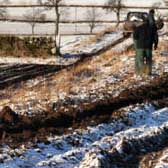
<point>17,129</point>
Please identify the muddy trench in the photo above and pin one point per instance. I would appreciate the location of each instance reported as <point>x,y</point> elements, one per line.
<point>13,125</point>
<point>134,149</point>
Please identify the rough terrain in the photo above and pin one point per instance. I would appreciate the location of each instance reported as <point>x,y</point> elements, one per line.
<point>94,113</point>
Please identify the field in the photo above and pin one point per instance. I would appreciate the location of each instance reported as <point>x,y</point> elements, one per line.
<point>84,109</point>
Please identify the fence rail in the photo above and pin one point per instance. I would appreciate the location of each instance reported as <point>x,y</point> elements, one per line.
<point>63,21</point>
<point>22,20</point>
<point>82,6</point>
<point>45,35</point>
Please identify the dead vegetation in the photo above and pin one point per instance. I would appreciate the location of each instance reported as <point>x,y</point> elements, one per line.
<point>62,82</point>
<point>82,74</point>
<point>163,46</point>
<point>12,123</point>
<point>27,46</point>
<point>92,39</point>
<point>65,80</point>
<point>86,70</point>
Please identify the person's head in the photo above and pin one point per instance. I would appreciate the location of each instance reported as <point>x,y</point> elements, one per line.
<point>152,11</point>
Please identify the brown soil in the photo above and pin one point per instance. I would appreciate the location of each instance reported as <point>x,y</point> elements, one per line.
<point>135,149</point>
<point>57,122</point>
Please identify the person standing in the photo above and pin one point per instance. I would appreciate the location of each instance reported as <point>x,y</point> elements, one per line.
<point>154,40</point>
<point>144,38</point>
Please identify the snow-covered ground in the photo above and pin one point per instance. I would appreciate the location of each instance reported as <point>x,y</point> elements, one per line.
<point>87,148</point>
<point>93,146</point>
<point>83,94</point>
<point>23,28</point>
<point>111,76</point>
<point>72,49</point>
<point>106,40</point>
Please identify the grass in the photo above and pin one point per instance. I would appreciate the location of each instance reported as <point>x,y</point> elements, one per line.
<point>82,75</point>
<point>94,38</point>
<point>163,46</point>
<point>27,46</point>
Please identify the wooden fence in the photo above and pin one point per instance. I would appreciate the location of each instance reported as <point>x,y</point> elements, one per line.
<point>22,20</point>
<point>82,6</point>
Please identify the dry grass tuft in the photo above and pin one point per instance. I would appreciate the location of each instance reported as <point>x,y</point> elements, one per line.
<point>65,80</point>
<point>94,38</point>
<point>163,46</point>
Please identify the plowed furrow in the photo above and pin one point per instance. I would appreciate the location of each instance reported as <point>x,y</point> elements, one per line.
<point>21,73</point>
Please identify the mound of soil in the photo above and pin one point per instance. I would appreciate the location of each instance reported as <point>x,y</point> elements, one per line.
<point>102,111</point>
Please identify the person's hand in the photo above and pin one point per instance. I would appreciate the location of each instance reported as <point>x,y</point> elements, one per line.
<point>155,47</point>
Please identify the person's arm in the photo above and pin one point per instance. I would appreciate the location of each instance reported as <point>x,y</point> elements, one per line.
<point>156,39</point>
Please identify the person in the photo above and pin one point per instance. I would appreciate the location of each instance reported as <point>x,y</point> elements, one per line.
<point>154,40</point>
<point>144,38</point>
<point>151,17</point>
<point>153,27</point>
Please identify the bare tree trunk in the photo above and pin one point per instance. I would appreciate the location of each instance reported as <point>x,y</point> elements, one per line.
<point>33,26</point>
<point>76,20</point>
<point>118,18</point>
<point>91,28</point>
<point>57,44</point>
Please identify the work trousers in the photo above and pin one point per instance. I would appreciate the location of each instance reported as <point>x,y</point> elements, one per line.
<point>143,61</point>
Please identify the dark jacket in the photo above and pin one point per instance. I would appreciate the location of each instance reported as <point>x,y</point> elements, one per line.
<point>145,36</point>
<point>153,28</point>
<point>152,21</point>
